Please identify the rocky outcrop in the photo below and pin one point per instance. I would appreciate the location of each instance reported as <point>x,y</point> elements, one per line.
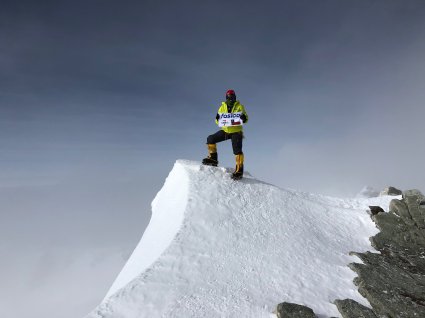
<point>290,310</point>
<point>394,280</point>
<point>351,308</point>
<point>390,191</point>
<point>376,209</point>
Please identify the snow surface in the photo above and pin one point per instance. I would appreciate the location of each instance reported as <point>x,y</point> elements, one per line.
<point>221,248</point>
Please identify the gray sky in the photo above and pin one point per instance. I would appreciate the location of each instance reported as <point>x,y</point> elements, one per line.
<point>99,98</point>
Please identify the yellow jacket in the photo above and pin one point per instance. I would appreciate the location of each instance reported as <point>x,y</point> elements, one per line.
<point>237,108</point>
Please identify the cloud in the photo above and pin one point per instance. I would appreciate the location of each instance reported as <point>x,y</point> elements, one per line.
<point>64,283</point>
<point>381,146</point>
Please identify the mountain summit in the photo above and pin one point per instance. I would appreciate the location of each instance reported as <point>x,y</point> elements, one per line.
<point>215,247</point>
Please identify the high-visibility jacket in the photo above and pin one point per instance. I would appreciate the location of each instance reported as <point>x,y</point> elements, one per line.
<point>237,108</point>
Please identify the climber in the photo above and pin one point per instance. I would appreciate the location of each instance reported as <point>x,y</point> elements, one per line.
<point>230,117</point>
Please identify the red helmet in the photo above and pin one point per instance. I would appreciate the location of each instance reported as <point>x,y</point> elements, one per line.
<point>230,92</point>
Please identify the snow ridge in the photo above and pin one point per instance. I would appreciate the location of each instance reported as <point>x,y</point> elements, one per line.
<point>222,248</point>
<point>168,210</point>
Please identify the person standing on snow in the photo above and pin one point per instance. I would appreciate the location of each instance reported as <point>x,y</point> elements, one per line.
<point>232,129</point>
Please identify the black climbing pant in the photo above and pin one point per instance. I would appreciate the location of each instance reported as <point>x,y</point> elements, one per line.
<point>220,136</point>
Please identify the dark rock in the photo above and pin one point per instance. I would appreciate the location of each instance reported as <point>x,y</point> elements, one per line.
<point>400,208</point>
<point>390,285</point>
<point>413,200</point>
<point>290,310</point>
<point>414,193</point>
<point>394,280</point>
<point>375,209</point>
<point>391,191</point>
<point>352,309</point>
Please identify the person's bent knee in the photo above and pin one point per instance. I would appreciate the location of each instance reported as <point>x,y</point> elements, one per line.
<point>210,139</point>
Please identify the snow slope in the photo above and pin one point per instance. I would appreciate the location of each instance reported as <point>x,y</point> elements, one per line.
<point>221,248</point>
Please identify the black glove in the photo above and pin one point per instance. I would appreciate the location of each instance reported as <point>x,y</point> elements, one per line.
<point>243,117</point>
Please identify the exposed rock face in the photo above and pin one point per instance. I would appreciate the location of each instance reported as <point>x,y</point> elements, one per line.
<point>394,281</point>
<point>352,309</point>
<point>375,209</point>
<point>290,310</point>
<point>391,191</point>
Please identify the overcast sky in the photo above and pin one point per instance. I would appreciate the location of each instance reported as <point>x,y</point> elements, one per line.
<point>98,99</point>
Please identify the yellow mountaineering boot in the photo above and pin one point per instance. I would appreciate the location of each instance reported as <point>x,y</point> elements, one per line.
<point>212,159</point>
<point>239,167</point>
